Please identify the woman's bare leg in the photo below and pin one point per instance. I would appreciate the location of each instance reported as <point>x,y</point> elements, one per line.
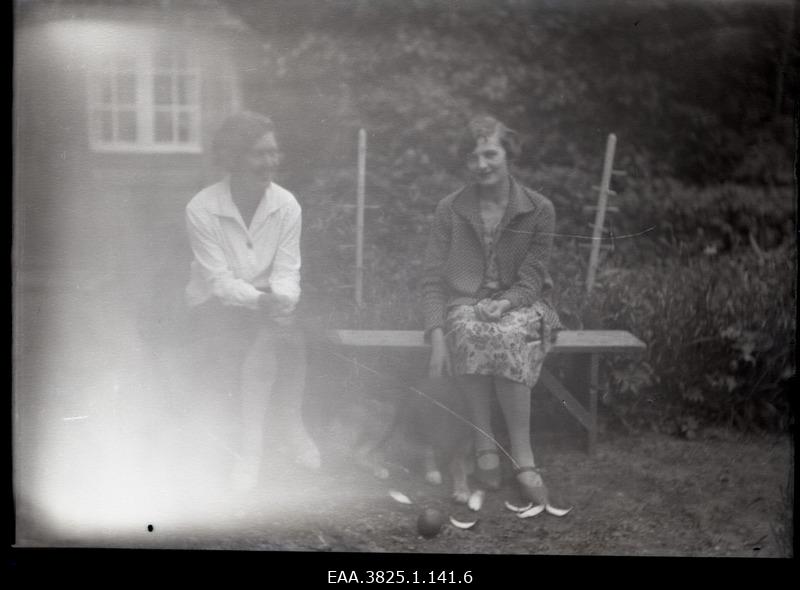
<point>478,391</point>
<point>258,376</point>
<point>290,393</point>
<point>515,402</point>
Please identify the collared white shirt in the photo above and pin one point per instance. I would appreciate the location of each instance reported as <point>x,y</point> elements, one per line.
<point>236,263</point>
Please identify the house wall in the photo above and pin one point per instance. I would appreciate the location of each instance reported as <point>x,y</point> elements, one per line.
<point>84,215</point>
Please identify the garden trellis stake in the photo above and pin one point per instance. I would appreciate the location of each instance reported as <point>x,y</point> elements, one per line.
<point>360,207</point>
<point>601,209</point>
<point>362,158</point>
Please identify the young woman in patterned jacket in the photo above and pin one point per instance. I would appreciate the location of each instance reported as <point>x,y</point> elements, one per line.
<point>485,289</point>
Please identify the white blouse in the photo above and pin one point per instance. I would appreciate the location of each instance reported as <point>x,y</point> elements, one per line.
<point>236,263</point>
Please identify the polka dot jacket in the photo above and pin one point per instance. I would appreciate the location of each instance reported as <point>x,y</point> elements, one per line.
<point>454,267</point>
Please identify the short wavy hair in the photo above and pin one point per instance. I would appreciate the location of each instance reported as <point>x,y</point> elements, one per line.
<point>485,126</point>
<point>236,136</point>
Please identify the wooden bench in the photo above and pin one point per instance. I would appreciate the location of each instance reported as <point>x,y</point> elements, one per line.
<point>588,342</point>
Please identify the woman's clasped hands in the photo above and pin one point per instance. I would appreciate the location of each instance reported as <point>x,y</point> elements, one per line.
<point>491,310</point>
<point>277,307</point>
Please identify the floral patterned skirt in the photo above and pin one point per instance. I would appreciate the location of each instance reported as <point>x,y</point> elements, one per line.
<point>510,348</point>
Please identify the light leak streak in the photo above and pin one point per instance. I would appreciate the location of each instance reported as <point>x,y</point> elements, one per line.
<point>147,455</point>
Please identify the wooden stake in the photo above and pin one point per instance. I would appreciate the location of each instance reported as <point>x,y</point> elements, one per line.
<point>362,156</point>
<point>600,215</point>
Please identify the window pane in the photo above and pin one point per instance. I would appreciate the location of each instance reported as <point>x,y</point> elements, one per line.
<point>126,126</point>
<point>163,126</point>
<point>104,85</point>
<point>126,89</point>
<point>183,89</point>
<point>184,127</point>
<point>187,90</point>
<point>162,88</point>
<point>106,127</point>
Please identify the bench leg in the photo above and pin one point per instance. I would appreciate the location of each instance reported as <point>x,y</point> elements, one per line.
<point>594,382</point>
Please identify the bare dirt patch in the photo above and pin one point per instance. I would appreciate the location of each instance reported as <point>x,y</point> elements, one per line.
<point>646,495</point>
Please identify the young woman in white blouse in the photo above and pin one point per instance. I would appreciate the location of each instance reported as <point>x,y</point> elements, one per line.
<point>245,283</point>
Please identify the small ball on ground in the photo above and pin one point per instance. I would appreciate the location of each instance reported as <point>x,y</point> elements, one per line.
<point>430,522</point>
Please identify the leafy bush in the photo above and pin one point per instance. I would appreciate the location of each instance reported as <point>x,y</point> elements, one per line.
<point>687,221</point>
<point>721,339</point>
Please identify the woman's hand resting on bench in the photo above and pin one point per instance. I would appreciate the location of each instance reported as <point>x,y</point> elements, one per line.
<point>440,359</point>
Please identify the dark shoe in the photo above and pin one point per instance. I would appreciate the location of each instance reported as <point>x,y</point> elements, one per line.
<point>532,488</point>
<point>489,478</point>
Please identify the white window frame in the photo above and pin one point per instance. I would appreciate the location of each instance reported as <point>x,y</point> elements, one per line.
<point>145,108</point>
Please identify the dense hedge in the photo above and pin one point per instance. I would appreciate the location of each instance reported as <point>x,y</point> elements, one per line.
<point>721,336</point>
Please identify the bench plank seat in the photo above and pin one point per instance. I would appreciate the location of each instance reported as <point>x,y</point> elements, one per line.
<point>583,341</point>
